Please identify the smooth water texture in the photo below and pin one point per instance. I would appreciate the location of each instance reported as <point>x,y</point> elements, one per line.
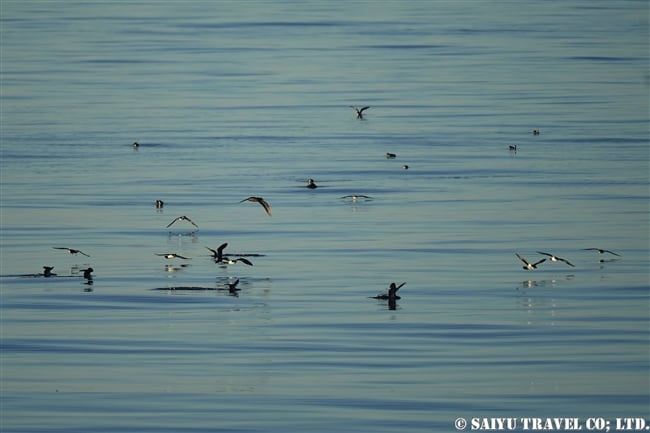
<point>235,99</point>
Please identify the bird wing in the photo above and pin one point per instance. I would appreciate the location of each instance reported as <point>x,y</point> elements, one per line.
<point>364,108</point>
<point>221,247</point>
<point>567,262</point>
<point>265,205</point>
<point>522,259</point>
<point>192,222</point>
<point>181,257</point>
<point>612,252</point>
<point>243,260</point>
<point>175,219</point>
<point>81,252</point>
<point>546,254</point>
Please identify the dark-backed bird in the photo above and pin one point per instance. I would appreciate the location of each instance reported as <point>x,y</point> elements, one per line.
<point>47,271</point>
<point>217,254</point>
<point>71,251</point>
<point>602,251</point>
<point>390,155</point>
<point>87,273</point>
<point>355,197</point>
<point>527,265</point>
<point>232,287</point>
<point>391,294</point>
<point>359,111</point>
<point>230,261</point>
<point>159,204</point>
<point>261,201</point>
<point>136,144</point>
<point>170,256</point>
<point>554,258</point>
<point>311,184</point>
<point>183,218</point>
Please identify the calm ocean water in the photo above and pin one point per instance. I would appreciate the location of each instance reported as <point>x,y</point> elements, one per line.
<point>236,99</point>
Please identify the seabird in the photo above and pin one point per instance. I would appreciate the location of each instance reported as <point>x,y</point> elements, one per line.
<point>217,254</point>
<point>238,259</point>
<point>556,258</point>
<point>529,266</point>
<point>392,292</point>
<point>47,271</point>
<point>87,273</point>
<point>405,167</point>
<point>136,144</point>
<point>183,218</point>
<point>356,197</point>
<point>261,201</point>
<point>513,147</point>
<point>390,155</point>
<point>359,111</point>
<point>172,256</point>
<point>232,287</point>
<point>311,184</point>
<point>159,204</point>
<point>71,251</point>
<point>535,131</point>
<point>602,251</point>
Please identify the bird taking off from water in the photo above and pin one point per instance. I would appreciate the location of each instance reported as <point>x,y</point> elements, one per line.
<point>529,266</point>
<point>182,218</point>
<point>359,111</point>
<point>391,294</point>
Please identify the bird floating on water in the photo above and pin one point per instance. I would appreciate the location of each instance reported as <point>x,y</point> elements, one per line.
<point>217,254</point>
<point>71,251</point>
<point>232,287</point>
<point>527,265</point>
<point>261,201</point>
<point>47,271</point>
<point>513,148</point>
<point>359,111</point>
<point>182,218</point>
<point>311,184</point>
<point>535,131</point>
<point>159,204</point>
<point>136,144</point>
<point>554,258</point>
<point>601,251</point>
<point>170,256</point>
<point>390,155</point>
<point>391,294</point>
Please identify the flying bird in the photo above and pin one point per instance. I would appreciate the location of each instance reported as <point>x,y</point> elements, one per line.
<point>602,251</point>
<point>217,254</point>
<point>355,197</point>
<point>391,294</point>
<point>239,259</point>
<point>261,201</point>
<point>182,218</point>
<point>529,266</point>
<point>554,258</point>
<point>170,256</point>
<point>359,111</point>
<point>71,251</point>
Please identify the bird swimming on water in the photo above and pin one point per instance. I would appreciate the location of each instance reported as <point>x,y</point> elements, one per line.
<point>217,254</point>
<point>554,258</point>
<point>261,201</point>
<point>601,251</point>
<point>182,218</point>
<point>390,155</point>
<point>391,294</point>
<point>311,184</point>
<point>47,271</point>
<point>159,204</point>
<point>170,256</point>
<point>71,251</point>
<point>232,287</point>
<point>359,111</point>
<point>527,265</point>
<point>136,144</point>
<point>87,273</point>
